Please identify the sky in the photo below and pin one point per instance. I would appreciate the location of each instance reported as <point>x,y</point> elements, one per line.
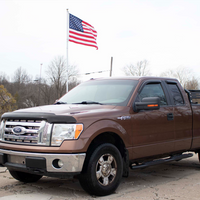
<point>164,32</point>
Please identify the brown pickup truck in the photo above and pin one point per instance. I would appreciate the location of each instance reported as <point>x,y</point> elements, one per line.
<point>99,130</point>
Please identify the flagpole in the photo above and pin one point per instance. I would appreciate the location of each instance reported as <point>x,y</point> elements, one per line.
<point>67,41</point>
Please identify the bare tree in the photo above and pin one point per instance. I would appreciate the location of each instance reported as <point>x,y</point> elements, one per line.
<point>47,93</point>
<point>4,79</point>
<point>184,75</point>
<point>21,76</point>
<point>57,73</point>
<point>140,69</point>
<point>192,84</point>
<point>22,88</point>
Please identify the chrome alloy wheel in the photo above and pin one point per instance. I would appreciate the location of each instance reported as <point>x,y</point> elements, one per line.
<point>106,169</point>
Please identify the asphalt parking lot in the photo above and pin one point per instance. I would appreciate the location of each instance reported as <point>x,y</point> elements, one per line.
<point>171,181</point>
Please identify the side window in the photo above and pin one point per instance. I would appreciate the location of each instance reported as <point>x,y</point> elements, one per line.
<point>176,94</point>
<point>153,90</point>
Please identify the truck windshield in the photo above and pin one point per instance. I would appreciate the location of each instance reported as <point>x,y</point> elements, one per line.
<point>110,92</point>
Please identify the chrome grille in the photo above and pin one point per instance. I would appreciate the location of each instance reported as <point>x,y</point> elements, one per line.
<point>35,131</point>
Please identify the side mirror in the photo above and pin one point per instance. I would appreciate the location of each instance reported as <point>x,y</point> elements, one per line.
<point>147,103</point>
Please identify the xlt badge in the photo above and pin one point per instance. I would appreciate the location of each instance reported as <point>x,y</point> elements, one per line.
<point>124,117</point>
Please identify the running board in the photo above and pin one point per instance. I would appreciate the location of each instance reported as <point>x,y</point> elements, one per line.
<point>160,161</point>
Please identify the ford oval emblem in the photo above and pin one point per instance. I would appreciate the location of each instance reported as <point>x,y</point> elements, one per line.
<point>18,130</point>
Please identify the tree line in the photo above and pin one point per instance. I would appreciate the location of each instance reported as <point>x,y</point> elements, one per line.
<point>23,92</point>
<point>183,74</point>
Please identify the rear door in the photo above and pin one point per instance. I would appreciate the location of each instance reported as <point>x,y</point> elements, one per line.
<point>153,130</point>
<point>182,116</point>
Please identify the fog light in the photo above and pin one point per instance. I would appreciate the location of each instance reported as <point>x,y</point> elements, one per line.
<point>60,163</point>
<point>57,163</point>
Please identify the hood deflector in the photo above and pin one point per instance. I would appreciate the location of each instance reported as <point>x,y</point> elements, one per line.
<point>49,117</point>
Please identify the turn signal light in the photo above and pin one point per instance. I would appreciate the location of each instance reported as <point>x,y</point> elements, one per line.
<point>152,105</point>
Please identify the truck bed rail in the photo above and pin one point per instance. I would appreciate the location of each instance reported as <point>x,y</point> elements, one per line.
<point>194,96</point>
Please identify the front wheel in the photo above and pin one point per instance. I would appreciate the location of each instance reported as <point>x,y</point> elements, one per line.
<point>103,171</point>
<point>25,177</point>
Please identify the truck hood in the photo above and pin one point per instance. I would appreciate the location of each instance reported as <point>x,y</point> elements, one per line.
<point>69,109</point>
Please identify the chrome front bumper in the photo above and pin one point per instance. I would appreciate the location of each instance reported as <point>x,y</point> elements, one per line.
<point>42,161</point>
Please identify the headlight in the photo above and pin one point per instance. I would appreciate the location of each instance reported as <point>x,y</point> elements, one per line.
<point>65,132</point>
<point>2,127</point>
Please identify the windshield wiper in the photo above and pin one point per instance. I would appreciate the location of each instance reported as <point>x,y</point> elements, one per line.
<point>89,102</point>
<point>60,102</point>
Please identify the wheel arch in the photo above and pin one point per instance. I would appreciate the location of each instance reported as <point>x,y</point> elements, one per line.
<point>111,138</point>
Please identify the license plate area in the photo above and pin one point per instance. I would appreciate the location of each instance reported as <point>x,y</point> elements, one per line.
<point>16,159</point>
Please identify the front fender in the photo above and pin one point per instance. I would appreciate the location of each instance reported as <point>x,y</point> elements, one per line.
<point>95,129</point>
<point>104,126</point>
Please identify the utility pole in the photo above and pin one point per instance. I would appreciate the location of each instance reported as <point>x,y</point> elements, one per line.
<point>111,66</point>
<point>40,83</point>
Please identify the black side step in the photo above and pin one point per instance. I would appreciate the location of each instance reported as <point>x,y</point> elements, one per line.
<point>160,161</point>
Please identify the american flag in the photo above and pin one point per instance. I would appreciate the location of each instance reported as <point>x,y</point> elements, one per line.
<point>81,32</point>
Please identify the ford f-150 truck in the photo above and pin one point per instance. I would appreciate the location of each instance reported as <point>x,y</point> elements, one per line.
<point>101,129</point>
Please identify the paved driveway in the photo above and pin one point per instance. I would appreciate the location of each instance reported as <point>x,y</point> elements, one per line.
<point>171,181</point>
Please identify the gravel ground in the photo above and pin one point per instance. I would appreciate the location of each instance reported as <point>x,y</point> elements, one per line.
<point>171,181</point>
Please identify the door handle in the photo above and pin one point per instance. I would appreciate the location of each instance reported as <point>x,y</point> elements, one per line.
<point>170,116</point>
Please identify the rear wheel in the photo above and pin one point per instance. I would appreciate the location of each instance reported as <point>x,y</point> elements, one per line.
<point>103,171</point>
<point>25,177</point>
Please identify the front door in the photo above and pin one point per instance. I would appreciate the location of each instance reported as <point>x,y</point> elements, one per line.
<point>153,130</point>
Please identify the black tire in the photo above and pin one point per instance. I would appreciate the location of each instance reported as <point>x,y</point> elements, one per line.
<point>25,177</point>
<point>103,171</point>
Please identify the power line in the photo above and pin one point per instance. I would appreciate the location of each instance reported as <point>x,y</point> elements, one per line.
<point>94,72</point>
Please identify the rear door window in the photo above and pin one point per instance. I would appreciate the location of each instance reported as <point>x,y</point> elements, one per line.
<point>176,94</point>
